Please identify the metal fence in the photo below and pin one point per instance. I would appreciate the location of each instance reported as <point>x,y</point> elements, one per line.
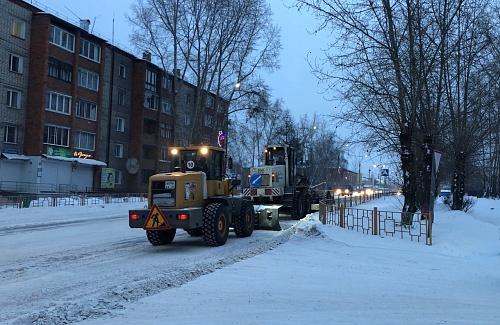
<point>58,200</point>
<point>415,226</point>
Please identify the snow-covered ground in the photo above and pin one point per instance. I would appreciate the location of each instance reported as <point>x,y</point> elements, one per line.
<point>84,265</point>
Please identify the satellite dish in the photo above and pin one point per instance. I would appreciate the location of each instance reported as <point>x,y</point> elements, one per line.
<point>147,97</point>
<point>132,165</point>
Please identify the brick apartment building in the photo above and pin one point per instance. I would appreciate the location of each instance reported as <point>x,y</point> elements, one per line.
<point>82,114</point>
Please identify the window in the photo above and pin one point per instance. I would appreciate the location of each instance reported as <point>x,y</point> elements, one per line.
<point>122,71</point>
<point>166,83</point>
<point>58,103</point>
<point>13,99</point>
<point>15,63</point>
<point>163,154</point>
<point>209,102</point>
<point>60,70</point>
<point>121,97</point>
<point>62,38</point>
<point>166,107</point>
<point>221,108</point>
<point>151,101</point>
<point>166,130</point>
<point>187,120</point>
<point>150,126</point>
<point>88,79</point>
<point>85,140</point>
<point>86,110</point>
<point>119,150</point>
<point>118,176</point>
<point>90,50</point>
<point>120,124</point>
<point>188,99</point>
<point>209,120</point>
<point>150,80</point>
<point>56,135</point>
<point>18,28</point>
<point>10,134</point>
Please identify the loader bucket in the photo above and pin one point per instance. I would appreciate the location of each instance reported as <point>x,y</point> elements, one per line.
<point>268,217</point>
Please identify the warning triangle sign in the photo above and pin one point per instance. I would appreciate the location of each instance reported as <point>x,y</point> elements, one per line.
<point>156,220</point>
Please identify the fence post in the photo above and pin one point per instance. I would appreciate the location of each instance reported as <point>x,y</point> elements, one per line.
<point>82,200</point>
<point>322,212</point>
<point>375,222</point>
<point>342,214</point>
<point>428,235</point>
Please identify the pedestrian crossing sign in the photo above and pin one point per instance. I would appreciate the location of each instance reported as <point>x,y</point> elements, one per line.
<point>156,220</point>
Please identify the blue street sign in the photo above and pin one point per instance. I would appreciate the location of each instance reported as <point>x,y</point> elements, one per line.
<point>255,180</point>
<point>385,172</point>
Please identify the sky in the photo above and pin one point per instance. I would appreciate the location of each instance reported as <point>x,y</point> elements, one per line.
<point>83,265</point>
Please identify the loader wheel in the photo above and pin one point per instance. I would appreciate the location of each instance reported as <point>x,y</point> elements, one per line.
<point>244,223</point>
<point>160,237</point>
<point>196,232</point>
<point>215,224</point>
<point>300,205</point>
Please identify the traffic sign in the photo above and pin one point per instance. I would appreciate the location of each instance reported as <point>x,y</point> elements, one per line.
<point>156,220</point>
<point>256,180</point>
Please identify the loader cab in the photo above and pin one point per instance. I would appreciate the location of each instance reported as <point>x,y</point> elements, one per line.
<point>199,158</point>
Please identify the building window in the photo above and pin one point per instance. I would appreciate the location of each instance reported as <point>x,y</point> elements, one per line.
<point>90,50</point>
<point>88,79</point>
<point>122,71</point>
<point>151,101</point>
<point>118,176</point>
<point>120,124</point>
<point>188,99</point>
<point>15,63</point>
<point>166,107</point>
<point>56,135</point>
<point>86,110</point>
<point>13,99</point>
<point>121,97</point>
<point>187,120</point>
<point>60,70</point>
<point>119,150</point>
<point>150,80</point>
<point>150,126</point>
<point>18,28</point>
<point>209,120</point>
<point>62,38</point>
<point>209,102</point>
<point>165,130</point>
<point>10,134</point>
<point>58,103</point>
<point>85,140</point>
<point>163,154</point>
<point>221,108</point>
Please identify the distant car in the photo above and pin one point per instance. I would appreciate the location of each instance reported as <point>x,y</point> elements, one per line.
<point>344,190</point>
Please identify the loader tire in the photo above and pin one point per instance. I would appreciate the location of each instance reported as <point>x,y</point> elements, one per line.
<point>300,205</point>
<point>160,237</point>
<point>196,232</point>
<point>215,224</point>
<point>244,223</point>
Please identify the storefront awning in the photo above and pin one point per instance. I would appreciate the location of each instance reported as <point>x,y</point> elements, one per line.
<point>78,160</point>
<point>15,156</point>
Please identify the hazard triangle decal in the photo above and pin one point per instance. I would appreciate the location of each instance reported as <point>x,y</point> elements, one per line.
<point>156,220</point>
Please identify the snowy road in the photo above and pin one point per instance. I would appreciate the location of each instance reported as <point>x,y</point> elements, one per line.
<point>59,265</point>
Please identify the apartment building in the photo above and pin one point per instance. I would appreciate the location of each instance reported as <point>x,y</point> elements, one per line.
<point>83,115</point>
<point>15,22</point>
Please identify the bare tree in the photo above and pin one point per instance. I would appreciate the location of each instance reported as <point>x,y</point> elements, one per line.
<point>211,44</point>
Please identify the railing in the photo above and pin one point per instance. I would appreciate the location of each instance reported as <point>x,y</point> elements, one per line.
<point>415,226</point>
<point>58,200</point>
